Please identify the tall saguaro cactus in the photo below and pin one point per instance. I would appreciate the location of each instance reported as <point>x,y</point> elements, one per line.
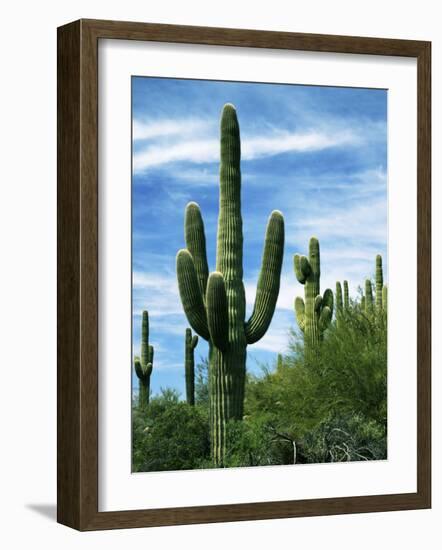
<point>314,313</point>
<point>215,305</point>
<point>143,366</point>
<point>189,366</point>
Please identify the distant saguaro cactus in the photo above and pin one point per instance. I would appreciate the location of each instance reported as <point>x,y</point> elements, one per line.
<point>338,299</point>
<point>346,296</point>
<point>314,313</point>
<point>368,302</point>
<point>375,305</point>
<point>143,366</point>
<point>189,368</point>
<point>379,283</point>
<point>215,305</point>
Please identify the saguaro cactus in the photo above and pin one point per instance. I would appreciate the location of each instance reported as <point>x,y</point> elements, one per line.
<point>215,305</point>
<point>346,297</point>
<point>338,299</point>
<point>143,366</point>
<point>368,301</point>
<point>314,313</point>
<point>378,303</point>
<point>379,283</point>
<point>385,298</point>
<point>189,367</point>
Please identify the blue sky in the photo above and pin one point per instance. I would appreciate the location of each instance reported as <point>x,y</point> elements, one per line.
<point>318,154</point>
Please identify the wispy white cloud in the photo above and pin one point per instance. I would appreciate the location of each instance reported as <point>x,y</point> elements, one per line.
<point>156,292</point>
<point>167,128</point>
<point>159,152</point>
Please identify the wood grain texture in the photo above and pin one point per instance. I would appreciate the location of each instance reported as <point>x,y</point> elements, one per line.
<point>77,310</point>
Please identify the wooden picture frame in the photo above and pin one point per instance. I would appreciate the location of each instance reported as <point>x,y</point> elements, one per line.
<point>77,225</point>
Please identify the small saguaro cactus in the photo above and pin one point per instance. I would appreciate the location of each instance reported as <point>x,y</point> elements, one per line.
<point>378,303</point>
<point>314,313</point>
<point>189,367</point>
<point>368,301</point>
<point>143,366</point>
<point>215,305</point>
<point>379,283</point>
<point>338,299</point>
<point>346,297</point>
<point>385,298</point>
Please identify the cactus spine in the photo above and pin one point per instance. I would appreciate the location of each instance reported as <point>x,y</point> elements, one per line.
<point>143,366</point>
<point>215,304</point>
<point>314,313</point>
<point>191,343</point>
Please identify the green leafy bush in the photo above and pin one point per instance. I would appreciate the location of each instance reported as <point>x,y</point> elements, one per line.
<point>169,435</point>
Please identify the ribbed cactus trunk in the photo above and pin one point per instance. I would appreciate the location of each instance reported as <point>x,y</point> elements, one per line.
<point>143,366</point>
<point>314,313</point>
<point>215,306</point>
<point>189,366</point>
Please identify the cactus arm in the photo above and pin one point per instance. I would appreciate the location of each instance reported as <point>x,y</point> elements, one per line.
<point>138,368</point>
<point>363,303</point>
<point>300,312</point>
<point>150,355</point>
<point>302,268</point>
<point>269,280</point>
<point>325,318</point>
<point>346,298</point>
<point>191,297</point>
<point>217,311</point>
<point>196,243</point>
<point>194,342</point>
<point>339,304</point>
<point>327,300</point>
<point>147,370</point>
<point>318,303</point>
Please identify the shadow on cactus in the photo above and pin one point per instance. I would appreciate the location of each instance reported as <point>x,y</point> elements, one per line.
<point>215,304</point>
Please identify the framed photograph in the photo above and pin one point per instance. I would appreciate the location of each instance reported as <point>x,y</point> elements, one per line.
<point>244,274</point>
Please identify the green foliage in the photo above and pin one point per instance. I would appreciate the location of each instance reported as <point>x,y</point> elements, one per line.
<point>202,383</point>
<point>169,435</point>
<point>334,398</point>
<point>215,304</point>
